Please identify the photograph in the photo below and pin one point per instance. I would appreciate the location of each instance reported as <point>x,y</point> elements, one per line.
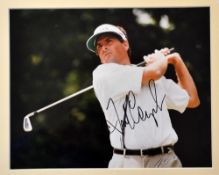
<point>58,52</point>
<point>109,88</point>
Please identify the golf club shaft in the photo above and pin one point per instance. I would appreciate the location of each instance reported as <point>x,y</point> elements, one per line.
<point>65,99</point>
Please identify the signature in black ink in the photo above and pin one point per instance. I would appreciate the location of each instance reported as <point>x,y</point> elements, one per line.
<point>129,105</point>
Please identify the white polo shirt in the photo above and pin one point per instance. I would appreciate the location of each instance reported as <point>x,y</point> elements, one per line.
<point>143,109</point>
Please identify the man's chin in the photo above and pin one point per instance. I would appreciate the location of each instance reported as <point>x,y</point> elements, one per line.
<point>111,60</point>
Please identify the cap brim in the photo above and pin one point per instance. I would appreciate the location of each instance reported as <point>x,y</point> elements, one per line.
<point>91,41</point>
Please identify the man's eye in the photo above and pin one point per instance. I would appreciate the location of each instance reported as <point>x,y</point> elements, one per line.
<point>109,40</point>
<point>98,47</point>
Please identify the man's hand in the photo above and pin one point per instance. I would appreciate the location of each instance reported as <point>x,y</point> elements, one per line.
<point>156,67</point>
<point>158,54</point>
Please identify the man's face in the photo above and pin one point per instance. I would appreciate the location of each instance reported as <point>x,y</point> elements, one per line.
<point>111,50</point>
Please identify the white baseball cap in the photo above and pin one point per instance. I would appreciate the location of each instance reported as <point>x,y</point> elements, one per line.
<point>104,28</point>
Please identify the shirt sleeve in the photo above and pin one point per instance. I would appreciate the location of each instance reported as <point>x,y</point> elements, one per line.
<point>177,98</point>
<point>114,80</point>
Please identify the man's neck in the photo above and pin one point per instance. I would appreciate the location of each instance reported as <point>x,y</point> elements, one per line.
<point>125,61</point>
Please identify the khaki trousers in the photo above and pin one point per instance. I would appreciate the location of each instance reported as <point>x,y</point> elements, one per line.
<point>158,161</point>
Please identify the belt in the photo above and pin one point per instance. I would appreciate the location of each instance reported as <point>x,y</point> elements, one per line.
<point>143,152</point>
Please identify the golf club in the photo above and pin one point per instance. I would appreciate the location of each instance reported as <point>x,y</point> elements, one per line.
<point>27,126</point>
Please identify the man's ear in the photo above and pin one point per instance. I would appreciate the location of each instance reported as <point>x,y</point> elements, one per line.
<point>126,45</point>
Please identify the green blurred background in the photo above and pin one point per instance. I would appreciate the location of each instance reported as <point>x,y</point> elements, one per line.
<point>49,61</point>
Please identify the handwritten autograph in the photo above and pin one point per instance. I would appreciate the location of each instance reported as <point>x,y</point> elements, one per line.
<point>129,105</point>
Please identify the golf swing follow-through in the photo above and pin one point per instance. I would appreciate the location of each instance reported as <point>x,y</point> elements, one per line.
<point>135,100</point>
<point>27,126</point>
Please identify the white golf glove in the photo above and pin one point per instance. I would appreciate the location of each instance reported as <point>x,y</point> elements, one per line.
<point>154,56</point>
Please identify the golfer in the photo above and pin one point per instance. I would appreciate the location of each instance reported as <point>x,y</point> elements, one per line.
<point>135,100</point>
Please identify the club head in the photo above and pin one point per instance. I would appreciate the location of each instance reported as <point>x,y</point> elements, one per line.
<point>27,126</point>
